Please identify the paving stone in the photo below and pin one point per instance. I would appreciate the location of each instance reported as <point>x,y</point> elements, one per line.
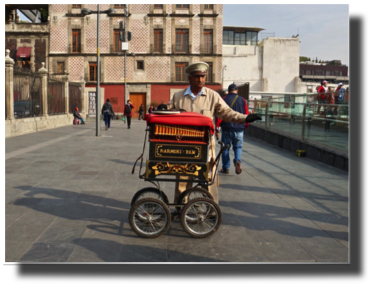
<point>71,203</point>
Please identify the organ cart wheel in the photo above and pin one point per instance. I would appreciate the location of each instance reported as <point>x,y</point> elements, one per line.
<point>149,192</point>
<point>149,218</point>
<point>201,217</point>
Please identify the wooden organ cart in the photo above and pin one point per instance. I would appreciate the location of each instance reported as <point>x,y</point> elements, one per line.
<point>179,146</point>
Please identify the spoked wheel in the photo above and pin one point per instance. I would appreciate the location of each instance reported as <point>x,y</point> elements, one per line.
<point>149,192</point>
<point>191,194</point>
<point>201,217</point>
<point>149,218</point>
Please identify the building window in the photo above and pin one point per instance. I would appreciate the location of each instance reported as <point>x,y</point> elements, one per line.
<point>119,5</point>
<point>181,41</point>
<point>251,38</point>
<point>209,75</point>
<point>328,72</point>
<point>182,5</point>
<point>239,39</point>
<point>93,71</point>
<point>116,41</point>
<point>76,5</point>
<point>180,71</point>
<point>208,6</point>
<point>76,41</point>
<point>158,6</point>
<point>308,72</point>
<point>228,37</point>
<point>60,67</point>
<point>208,41</point>
<point>140,64</point>
<point>158,41</point>
<point>232,38</point>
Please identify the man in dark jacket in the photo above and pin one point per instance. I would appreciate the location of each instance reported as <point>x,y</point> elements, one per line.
<point>140,112</point>
<point>108,112</point>
<point>128,112</point>
<point>232,133</point>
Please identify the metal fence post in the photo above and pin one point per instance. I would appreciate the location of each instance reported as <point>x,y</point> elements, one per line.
<point>303,123</point>
<point>9,99</point>
<point>266,115</point>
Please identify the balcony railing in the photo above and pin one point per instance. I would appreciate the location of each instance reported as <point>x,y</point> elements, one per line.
<point>115,49</point>
<point>154,48</point>
<point>181,49</point>
<point>207,49</point>
<point>74,49</point>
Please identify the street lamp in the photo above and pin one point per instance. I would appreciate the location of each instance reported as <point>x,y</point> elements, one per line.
<point>109,12</point>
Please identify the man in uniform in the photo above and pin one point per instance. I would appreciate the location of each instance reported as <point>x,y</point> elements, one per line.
<point>198,98</point>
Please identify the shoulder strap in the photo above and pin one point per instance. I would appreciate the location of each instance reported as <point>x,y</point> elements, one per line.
<point>234,101</point>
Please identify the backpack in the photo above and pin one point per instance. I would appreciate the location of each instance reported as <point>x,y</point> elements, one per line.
<point>128,110</point>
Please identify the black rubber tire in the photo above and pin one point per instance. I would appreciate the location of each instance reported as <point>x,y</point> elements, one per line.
<point>213,221</point>
<point>138,221</point>
<point>149,190</point>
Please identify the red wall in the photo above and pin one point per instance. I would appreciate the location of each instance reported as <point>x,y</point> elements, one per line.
<point>115,93</point>
<point>161,93</point>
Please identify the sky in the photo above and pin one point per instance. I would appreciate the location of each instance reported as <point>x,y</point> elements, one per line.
<point>323,28</point>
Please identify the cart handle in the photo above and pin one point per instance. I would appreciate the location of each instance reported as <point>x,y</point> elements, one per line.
<point>217,161</point>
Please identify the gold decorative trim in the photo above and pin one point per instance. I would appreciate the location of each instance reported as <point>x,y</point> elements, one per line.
<point>167,168</point>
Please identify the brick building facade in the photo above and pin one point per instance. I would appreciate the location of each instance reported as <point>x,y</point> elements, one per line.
<point>165,38</point>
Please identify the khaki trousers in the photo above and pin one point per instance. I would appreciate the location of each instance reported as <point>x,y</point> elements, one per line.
<point>180,187</point>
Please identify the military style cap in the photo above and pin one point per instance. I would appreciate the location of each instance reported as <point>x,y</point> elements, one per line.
<point>197,68</point>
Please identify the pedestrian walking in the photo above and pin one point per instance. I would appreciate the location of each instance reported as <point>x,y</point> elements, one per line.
<point>128,112</point>
<point>78,117</point>
<point>107,112</point>
<point>232,133</point>
<point>203,100</point>
<point>140,112</point>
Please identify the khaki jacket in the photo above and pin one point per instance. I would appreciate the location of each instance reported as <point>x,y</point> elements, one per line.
<point>209,104</point>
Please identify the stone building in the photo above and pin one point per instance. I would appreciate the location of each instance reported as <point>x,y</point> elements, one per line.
<point>165,39</point>
<point>28,42</point>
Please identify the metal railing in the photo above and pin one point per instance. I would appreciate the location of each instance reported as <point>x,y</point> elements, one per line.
<point>75,95</point>
<point>55,97</point>
<point>181,49</point>
<point>74,49</point>
<point>207,49</point>
<point>27,94</point>
<point>327,124</point>
<point>115,49</point>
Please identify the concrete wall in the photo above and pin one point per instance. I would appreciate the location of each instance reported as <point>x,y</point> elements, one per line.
<point>243,64</point>
<point>272,66</point>
<point>281,63</point>
<point>21,126</point>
